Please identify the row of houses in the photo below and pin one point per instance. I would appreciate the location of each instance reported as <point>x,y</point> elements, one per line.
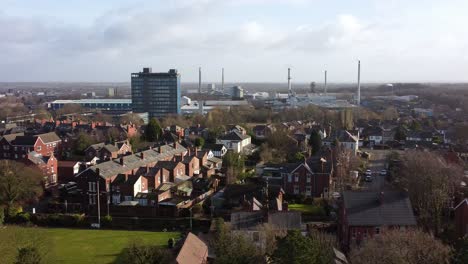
<point>168,175</point>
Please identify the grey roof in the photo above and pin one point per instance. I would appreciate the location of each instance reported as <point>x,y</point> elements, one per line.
<point>11,137</point>
<point>234,135</point>
<point>375,209</point>
<point>285,220</point>
<point>49,137</point>
<point>111,168</point>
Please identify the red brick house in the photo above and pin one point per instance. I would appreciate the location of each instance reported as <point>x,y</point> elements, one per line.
<point>461,218</point>
<point>46,164</point>
<point>146,164</point>
<point>364,214</point>
<point>310,178</point>
<point>67,170</point>
<point>17,146</point>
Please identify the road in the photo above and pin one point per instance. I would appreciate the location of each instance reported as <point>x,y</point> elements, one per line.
<point>376,163</point>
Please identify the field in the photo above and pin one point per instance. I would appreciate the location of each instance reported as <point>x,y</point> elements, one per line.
<point>61,245</point>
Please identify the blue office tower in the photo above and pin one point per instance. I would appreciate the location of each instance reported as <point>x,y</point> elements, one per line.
<point>156,93</point>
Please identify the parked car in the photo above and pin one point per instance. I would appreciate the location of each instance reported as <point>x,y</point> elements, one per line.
<point>368,172</point>
<point>383,172</point>
<point>368,178</point>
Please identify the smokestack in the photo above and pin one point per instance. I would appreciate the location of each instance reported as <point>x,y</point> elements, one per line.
<point>289,82</point>
<point>325,88</point>
<point>199,80</point>
<point>222,80</point>
<point>359,84</point>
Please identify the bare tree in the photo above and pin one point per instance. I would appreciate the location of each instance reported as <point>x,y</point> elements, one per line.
<point>431,184</point>
<point>402,247</point>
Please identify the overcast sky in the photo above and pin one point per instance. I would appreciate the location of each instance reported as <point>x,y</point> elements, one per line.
<point>254,40</point>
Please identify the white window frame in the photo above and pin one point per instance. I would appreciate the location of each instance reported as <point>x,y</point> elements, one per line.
<point>309,178</point>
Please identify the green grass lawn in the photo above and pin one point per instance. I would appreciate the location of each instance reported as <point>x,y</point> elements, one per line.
<point>75,245</point>
<point>307,209</point>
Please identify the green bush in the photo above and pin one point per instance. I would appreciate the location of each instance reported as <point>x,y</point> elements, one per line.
<point>58,220</point>
<point>106,221</point>
<point>19,218</point>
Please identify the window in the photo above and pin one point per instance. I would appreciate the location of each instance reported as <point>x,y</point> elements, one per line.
<point>308,177</point>
<point>92,186</point>
<point>308,191</point>
<point>296,189</point>
<point>365,233</point>
<point>92,199</point>
<point>296,177</point>
<point>128,198</point>
<point>289,178</point>
<point>39,148</point>
<point>377,230</point>
<point>353,234</point>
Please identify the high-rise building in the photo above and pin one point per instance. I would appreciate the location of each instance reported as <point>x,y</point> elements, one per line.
<point>156,93</point>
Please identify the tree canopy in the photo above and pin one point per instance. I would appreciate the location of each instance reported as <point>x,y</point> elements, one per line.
<point>295,248</point>
<point>315,141</point>
<point>18,183</point>
<point>397,247</point>
<point>153,130</point>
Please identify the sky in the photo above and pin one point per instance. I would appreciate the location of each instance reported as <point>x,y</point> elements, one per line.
<point>254,40</point>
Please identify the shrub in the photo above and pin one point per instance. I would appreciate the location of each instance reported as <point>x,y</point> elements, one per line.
<point>106,221</point>
<point>28,255</point>
<point>19,218</point>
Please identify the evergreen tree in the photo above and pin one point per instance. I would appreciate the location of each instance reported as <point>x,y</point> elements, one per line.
<point>315,141</point>
<point>153,130</point>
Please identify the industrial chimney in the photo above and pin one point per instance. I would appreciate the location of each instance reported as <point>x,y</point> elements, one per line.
<point>358,100</point>
<point>325,88</point>
<point>289,82</point>
<point>222,80</point>
<point>199,80</point>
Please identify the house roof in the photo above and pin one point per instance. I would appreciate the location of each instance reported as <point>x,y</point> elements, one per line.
<point>24,141</point>
<point>11,137</point>
<point>193,251</point>
<point>111,148</point>
<point>37,158</point>
<point>233,136</point>
<point>113,167</point>
<point>49,137</point>
<point>67,164</point>
<point>342,136</point>
<point>214,147</point>
<point>464,201</point>
<point>285,220</point>
<point>390,208</point>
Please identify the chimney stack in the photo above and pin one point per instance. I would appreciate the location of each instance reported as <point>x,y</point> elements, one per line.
<point>289,82</point>
<point>121,161</point>
<point>142,155</point>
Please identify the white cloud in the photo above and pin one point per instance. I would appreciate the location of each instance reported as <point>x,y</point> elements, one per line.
<point>189,33</point>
